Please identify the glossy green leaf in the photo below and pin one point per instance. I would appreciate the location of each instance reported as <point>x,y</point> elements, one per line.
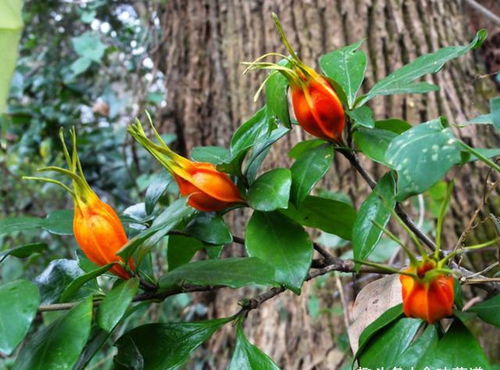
<point>246,135</point>
<point>488,310</point>
<point>175,213</point>
<point>333,216</point>
<point>59,222</point>
<point>246,356</point>
<point>115,304</point>
<point>483,119</point>
<point>362,116</point>
<point>73,287</point>
<point>18,305</point>
<point>11,24</point>
<point>181,249</point>
<point>155,190</point>
<point>231,272</point>
<point>302,146</point>
<point>373,142</point>
<point>381,322</point>
<point>396,125</point>
<point>376,208</point>
<point>173,343</point>
<point>386,347</point>
<point>422,156</point>
<point>495,111</point>
<point>58,345</point>
<point>308,169</point>
<point>211,154</point>
<point>282,243</point>
<point>402,81</point>
<point>210,228</point>
<point>259,151</point>
<point>347,67</point>
<point>271,190</point>
<point>419,347</point>
<point>54,279</point>
<point>23,251</point>
<point>457,348</point>
<point>16,224</point>
<point>276,96</point>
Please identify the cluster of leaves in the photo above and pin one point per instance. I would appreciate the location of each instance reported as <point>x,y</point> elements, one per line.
<point>278,247</point>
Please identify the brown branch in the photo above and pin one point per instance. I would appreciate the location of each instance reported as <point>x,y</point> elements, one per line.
<point>353,159</point>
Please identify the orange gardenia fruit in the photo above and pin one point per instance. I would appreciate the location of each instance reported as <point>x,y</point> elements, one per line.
<point>96,226</point>
<point>428,297</point>
<point>207,188</point>
<point>317,107</point>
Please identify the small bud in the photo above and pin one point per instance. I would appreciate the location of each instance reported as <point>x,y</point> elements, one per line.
<point>208,189</point>
<point>428,294</point>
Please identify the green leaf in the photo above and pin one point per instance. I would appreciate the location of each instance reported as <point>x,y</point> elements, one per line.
<point>173,343</point>
<point>89,45</point>
<point>211,154</point>
<point>115,304</point>
<point>486,119</point>
<point>362,116</point>
<point>276,96</point>
<point>457,348</point>
<point>18,305</point>
<point>271,190</point>
<point>373,142</point>
<point>402,80</point>
<point>54,279</point>
<point>23,251</point>
<point>246,135</point>
<point>381,322</point>
<point>396,125</point>
<point>333,216</point>
<point>11,24</point>
<point>422,156</point>
<point>181,249</point>
<point>495,111</point>
<point>347,67</point>
<point>80,65</point>
<point>166,221</point>
<point>246,356</point>
<point>488,310</point>
<point>59,222</point>
<point>302,146</point>
<point>73,287</point>
<point>210,228</point>
<point>419,348</point>
<point>376,208</point>
<point>58,345</point>
<point>155,190</point>
<point>282,243</point>
<point>16,224</point>
<point>259,151</point>
<point>308,169</point>
<point>386,348</point>
<point>231,272</point>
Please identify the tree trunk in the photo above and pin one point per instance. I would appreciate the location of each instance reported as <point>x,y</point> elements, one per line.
<point>208,98</point>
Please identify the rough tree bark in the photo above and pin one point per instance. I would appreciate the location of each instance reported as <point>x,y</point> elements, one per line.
<point>208,98</point>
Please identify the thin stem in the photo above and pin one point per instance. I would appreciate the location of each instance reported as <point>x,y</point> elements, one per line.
<point>52,181</point>
<point>282,34</point>
<point>481,157</point>
<point>482,245</point>
<point>440,222</point>
<point>393,237</point>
